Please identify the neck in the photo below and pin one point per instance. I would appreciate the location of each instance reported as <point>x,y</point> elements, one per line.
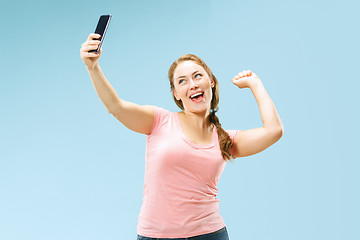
<point>199,120</point>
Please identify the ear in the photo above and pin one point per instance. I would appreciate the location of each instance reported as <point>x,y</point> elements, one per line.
<point>175,95</point>
<point>212,83</point>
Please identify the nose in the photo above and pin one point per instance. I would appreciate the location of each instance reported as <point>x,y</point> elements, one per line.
<point>193,85</point>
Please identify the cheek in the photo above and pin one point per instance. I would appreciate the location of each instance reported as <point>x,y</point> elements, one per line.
<point>210,95</point>
<point>179,93</point>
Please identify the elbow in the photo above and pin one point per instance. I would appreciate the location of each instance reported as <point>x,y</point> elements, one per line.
<point>276,135</point>
<point>277,132</point>
<point>281,133</point>
<point>278,129</point>
<point>108,110</point>
<point>111,112</point>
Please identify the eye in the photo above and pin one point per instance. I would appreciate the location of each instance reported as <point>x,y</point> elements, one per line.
<point>181,81</point>
<point>198,75</point>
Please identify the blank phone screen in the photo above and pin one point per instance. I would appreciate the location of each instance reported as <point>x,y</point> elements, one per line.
<point>101,28</point>
<point>103,21</point>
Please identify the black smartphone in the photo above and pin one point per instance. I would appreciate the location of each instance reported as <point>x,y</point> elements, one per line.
<point>101,28</point>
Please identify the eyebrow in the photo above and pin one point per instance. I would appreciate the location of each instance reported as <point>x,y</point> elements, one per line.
<point>185,76</point>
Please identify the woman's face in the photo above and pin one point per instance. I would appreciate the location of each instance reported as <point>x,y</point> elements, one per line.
<point>192,85</point>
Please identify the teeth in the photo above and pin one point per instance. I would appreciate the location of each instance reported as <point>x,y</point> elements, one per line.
<point>195,95</point>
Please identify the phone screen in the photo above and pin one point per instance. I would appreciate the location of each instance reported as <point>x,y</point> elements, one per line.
<point>101,29</point>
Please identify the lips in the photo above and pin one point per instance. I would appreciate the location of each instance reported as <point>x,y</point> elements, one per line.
<point>196,95</point>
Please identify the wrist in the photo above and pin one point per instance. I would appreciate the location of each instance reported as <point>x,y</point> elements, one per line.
<point>93,67</point>
<point>254,84</point>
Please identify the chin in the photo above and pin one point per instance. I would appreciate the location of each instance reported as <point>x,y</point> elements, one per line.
<point>198,109</point>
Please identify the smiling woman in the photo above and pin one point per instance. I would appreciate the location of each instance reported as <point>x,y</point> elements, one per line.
<point>186,151</point>
<point>202,88</point>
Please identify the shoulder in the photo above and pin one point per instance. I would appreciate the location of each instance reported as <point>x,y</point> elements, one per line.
<point>161,116</point>
<point>160,112</point>
<point>233,134</point>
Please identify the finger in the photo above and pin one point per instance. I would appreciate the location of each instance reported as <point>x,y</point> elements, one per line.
<point>88,48</point>
<point>91,42</point>
<point>93,36</point>
<point>89,55</point>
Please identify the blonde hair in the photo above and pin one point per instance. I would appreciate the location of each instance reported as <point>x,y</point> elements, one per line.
<point>225,141</point>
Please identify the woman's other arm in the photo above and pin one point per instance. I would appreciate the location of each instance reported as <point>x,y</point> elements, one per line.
<point>255,140</point>
<point>135,117</point>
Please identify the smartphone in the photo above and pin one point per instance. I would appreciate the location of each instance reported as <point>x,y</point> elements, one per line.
<point>101,28</point>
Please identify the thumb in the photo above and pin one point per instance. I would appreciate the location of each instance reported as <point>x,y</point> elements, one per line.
<point>240,82</point>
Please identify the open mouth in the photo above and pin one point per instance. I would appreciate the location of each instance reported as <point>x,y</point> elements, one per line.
<point>197,97</point>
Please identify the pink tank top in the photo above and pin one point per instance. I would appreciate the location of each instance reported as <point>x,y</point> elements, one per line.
<point>179,195</point>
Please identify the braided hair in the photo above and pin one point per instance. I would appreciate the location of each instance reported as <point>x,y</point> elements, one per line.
<point>225,141</point>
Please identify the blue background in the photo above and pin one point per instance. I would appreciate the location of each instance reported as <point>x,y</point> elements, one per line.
<point>70,170</point>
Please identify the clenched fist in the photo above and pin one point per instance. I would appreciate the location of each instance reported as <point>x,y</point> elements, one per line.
<point>90,58</point>
<point>245,79</point>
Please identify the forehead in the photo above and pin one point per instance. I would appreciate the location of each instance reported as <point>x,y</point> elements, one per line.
<point>187,68</point>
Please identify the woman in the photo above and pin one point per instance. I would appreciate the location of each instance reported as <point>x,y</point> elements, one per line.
<point>186,151</point>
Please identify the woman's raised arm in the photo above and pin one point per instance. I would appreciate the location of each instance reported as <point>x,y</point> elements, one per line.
<point>255,140</point>
<point>135,117</point>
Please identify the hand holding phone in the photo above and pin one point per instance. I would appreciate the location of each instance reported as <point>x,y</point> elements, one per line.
<point>101,28</point>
